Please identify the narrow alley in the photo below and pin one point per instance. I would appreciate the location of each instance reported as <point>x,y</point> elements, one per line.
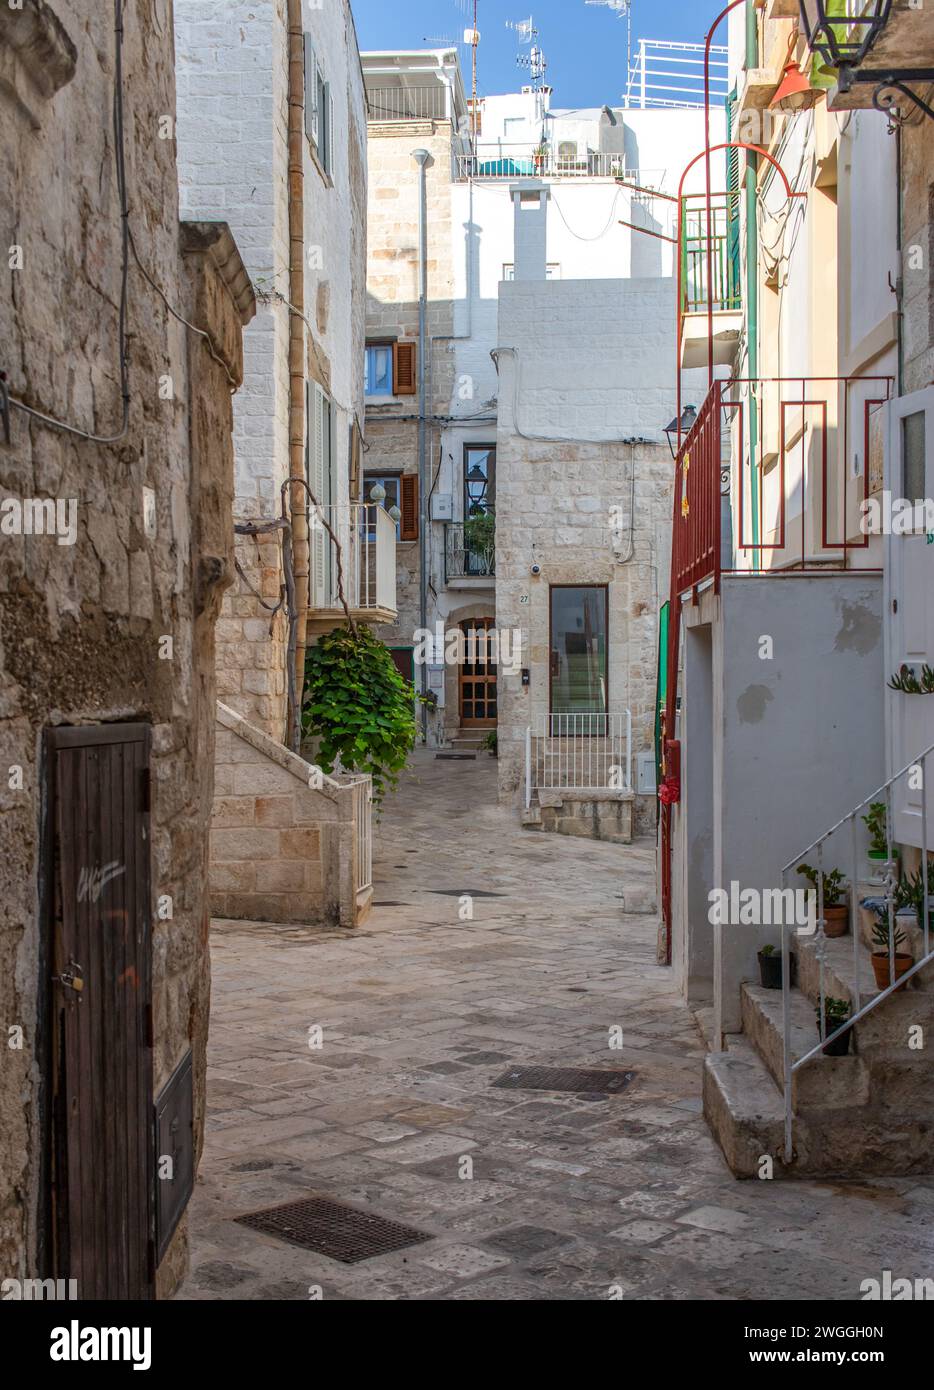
<point>420,1012</point>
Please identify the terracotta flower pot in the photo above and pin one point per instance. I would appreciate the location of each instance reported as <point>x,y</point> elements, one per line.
<point>835,920</point>
<point>880,967</point>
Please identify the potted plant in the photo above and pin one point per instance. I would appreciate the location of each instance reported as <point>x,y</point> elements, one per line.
<point>904,960</point>
<point>836,1012</point>
<point>770,967</point>
<point>910,894</point>
<point>835,908</point>
<point>876,822</point>
<point>491,743</point>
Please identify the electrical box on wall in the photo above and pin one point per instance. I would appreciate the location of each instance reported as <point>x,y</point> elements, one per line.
<point>645,772</point>
<point>442,507</point>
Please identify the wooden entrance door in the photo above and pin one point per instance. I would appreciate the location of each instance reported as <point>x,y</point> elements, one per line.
<point>477,678</point>
<point>98,954</point>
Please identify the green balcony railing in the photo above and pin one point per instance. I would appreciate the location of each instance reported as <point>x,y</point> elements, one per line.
<point>724,266</point>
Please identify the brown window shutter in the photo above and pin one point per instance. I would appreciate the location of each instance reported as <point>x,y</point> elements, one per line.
<point>408,526</point>
<point>403,369</point>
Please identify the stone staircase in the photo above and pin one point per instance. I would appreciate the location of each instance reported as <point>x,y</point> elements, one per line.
<point>871,1112</point>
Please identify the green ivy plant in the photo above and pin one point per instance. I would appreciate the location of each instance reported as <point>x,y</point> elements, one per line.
<point>359,707</point>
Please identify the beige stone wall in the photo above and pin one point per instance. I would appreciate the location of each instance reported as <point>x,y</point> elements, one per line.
<point>554,509</point>
<point>81,624</point>
<point>392,312</point>
<point>281,851</point>
<point>918,254</point>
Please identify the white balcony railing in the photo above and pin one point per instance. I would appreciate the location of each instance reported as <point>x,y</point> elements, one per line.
<point>408,103</point>
<point>579,752</point>
<point>367,537</point>
<point>497,160</point>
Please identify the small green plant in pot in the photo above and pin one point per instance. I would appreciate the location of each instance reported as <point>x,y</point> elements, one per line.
<point>910,893</point>
<point>491,743</point>
<point>836,911</point>
<point>770,967</point>
<point>876,822</point>
<point>836,1013</point>
<point>881,960</point>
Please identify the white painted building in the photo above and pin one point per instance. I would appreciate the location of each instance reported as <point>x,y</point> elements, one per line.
<point>610,180</point>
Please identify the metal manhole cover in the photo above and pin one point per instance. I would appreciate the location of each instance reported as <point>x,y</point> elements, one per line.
<point>565,1079</point>
<point>331,1228</point>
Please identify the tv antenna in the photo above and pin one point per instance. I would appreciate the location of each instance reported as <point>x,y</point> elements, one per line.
<point>623,9</point>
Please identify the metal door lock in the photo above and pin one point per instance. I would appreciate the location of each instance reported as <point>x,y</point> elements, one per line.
<point>71,978</point>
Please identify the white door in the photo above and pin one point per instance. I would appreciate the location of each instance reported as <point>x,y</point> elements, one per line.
<point>909,604</point>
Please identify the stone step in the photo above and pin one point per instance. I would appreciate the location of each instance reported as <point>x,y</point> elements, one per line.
<point>743,1107</point>
<point>823,1082</point>
<point>892,1136</point>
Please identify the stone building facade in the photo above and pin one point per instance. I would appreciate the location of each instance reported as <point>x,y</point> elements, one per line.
<point>108,610</point>
<point>234,162</point>
<point>272,137</point>
<point>584,504</point>
<point>392,317</point>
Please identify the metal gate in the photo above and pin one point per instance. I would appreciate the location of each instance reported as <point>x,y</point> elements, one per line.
<point>100,1051</point>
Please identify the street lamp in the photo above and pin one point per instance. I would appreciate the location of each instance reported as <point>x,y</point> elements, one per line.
<point>688,416</point>
<point>841,38</point>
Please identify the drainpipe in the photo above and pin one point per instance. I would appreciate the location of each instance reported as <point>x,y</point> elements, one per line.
<point>899,237</point>
<point>421,158</point>
<point>298,501</point>
<point>752,290</point>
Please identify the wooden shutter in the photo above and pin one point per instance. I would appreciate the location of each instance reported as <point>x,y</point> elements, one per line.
<point>403,369</point>
<point>329,142</point>
<point>408,490</point>
<point>311,91</point>
<point>317,539</point>
<point>354,452</point>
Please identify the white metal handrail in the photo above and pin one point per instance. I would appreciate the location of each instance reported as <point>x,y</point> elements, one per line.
<point>850,820</point>
<point>579,752</point>
<point>408,103</point>
<point>361,785</point>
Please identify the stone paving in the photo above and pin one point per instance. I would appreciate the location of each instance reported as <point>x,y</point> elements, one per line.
<point>525,1195</point>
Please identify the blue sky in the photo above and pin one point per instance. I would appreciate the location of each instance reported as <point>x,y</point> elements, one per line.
<point>585,45</point>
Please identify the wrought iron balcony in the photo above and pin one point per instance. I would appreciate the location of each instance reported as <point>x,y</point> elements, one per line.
<point>467,554</point>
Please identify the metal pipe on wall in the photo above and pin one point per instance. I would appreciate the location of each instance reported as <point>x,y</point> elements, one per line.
<point>298,501</point>
<point>421,158</point>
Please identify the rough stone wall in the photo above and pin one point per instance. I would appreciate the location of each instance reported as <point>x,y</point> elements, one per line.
<point>597,372</point>
<point>80,624</point>
<point>392,311</point>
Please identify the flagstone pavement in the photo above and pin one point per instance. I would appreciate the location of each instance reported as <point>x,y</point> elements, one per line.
<point>523,1195</point>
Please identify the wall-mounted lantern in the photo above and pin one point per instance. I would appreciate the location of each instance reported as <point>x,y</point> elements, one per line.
<point>844,41</point>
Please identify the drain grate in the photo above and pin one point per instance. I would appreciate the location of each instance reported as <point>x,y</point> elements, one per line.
<point>331,1228</point>
<point>565,1079</point>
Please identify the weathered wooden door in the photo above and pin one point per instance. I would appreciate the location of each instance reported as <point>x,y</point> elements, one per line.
<point>101,1046</point>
